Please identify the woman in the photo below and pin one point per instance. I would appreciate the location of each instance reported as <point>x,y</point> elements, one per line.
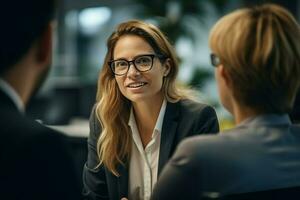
<point>140,115</point>
<point>256,56</point>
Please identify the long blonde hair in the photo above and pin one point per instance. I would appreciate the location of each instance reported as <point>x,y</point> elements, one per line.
<point>113,109</point>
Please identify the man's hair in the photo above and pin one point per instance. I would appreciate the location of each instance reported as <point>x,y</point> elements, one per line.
<point>22,23</point>
<point>260,49</point>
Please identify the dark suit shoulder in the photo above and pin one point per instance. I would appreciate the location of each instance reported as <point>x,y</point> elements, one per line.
<point>36,158</point>
<point>95,184</point>
<point>204,144</point>
<point>203,116</point>
<point>27,135</point>
<point>17,128</point>
<point>208,147</point>
<point>192,108</point>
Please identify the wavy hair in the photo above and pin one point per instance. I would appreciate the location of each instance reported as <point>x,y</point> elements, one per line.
<point>113,109</point>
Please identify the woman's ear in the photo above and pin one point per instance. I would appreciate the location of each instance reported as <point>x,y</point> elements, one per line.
<point>225,75</point>
<point>167,66</point>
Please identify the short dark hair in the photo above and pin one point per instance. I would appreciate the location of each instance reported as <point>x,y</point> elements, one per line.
<point>22,23</point>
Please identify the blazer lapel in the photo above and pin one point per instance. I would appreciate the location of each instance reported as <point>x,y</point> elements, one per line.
<point>169,127</point>
<point>123,181</point>
<point>170,123</point>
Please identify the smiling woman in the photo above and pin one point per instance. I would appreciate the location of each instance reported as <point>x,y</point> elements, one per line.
<point>142,81</point>
<point>140,116</point>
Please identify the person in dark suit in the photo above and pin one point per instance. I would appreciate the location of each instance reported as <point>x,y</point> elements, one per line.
<point>256,55</point>
<point>35,162</point>
<point>140,115</point>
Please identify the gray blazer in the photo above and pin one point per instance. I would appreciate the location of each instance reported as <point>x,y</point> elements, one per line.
<point>260,154</point>
<point>182,119</point>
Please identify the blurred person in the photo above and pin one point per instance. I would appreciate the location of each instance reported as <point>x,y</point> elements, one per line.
<point>256,55</point>
<point>35,160</point>
<point>140,115</point>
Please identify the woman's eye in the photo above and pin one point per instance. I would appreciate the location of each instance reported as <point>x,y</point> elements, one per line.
<point>143,60</point>
<point>121,64</point>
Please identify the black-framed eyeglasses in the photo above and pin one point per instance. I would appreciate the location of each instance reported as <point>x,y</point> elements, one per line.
<point>215,60</point>
<point>142,63</point>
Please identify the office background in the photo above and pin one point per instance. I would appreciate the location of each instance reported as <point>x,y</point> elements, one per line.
<point>82,28</point>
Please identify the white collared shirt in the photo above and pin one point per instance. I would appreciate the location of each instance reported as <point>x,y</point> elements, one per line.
<point>12,94</point>
<point>143,164</point>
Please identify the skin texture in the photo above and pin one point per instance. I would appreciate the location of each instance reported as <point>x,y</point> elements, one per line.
<point>222,80</point>
<point>33,67</point>
<point>233,105</point>
<point>128,47</point>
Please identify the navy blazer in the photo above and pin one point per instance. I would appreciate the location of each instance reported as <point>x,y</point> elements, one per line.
<point>35,162</point>
<point>182,119</point>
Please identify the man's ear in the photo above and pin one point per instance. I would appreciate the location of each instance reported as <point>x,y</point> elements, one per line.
<point>44,45</point>
<point>167,66</point>
<point>225,75</point>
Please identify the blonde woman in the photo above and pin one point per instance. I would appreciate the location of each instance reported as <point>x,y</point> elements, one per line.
<point>140,115</point>
<point>256,55</point>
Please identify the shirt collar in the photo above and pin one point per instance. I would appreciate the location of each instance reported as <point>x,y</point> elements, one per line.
<point>159,121</point>
<point>160,118</point>
<point>266,119</point>
<point>12,94</point>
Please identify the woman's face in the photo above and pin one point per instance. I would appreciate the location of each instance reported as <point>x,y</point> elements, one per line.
<point>134,85</point>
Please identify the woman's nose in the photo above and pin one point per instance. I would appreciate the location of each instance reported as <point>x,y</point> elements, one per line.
<point>132,71</point>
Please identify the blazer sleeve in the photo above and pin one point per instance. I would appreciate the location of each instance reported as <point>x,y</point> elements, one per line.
<point>179,179</point>
<point>94,178</point>
<point>206,121</point>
